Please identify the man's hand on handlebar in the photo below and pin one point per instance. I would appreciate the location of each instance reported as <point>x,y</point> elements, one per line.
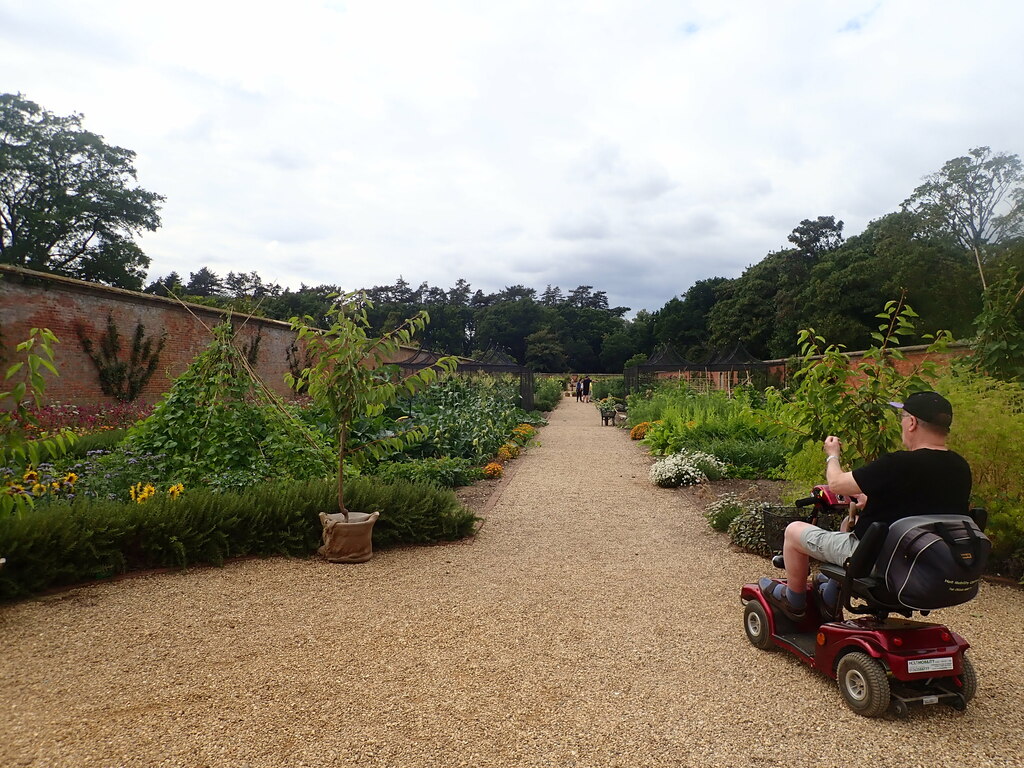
<point>857,502</point>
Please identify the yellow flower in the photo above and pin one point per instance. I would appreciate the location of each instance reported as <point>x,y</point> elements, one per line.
<point>176,490</point>
<point>71,478</point>
<point>141,493</point>
<point>38,489</point>
<point>30,476</point>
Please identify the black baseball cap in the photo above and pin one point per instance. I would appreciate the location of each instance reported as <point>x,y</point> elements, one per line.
<point>928,406</point>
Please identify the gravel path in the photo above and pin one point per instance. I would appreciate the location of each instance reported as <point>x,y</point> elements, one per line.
<point>594,621</point>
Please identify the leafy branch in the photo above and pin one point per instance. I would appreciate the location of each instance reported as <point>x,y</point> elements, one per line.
<point>834,396</point>
<point>351,375</point>
<point>26,396</point>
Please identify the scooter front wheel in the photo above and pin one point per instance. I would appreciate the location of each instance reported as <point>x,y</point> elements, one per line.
<point>755,624</point>
<point>864,684</point>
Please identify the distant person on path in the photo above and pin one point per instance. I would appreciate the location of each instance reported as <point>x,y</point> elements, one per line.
<point>586,388</point>
<point>579,391</point>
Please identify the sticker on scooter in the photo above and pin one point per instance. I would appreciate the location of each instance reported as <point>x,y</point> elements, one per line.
<point>943,664</point>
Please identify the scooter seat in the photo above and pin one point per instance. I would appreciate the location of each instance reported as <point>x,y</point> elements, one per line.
<point>858,579</point>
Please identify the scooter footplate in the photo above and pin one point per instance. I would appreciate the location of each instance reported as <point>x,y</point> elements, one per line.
<point>803,642</point>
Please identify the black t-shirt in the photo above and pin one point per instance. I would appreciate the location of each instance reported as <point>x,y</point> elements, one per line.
<point>905,483</point>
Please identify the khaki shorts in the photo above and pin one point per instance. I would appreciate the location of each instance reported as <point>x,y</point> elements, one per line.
<point>828,546</point>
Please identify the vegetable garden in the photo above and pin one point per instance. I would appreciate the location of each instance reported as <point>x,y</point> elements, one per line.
<point>221,468</point>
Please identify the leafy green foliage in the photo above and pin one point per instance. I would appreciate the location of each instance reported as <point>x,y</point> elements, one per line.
<point>612,386</point>
<point>217,420</point>
<point>721,512</point>
<point>746,531</point>
<point>25,379</point>
<point>109,474</point>
<point>468,418</point>
<point>998,348</point>
<point>105,440</point>
<point>69,199</point>
<point>834,395</point>
<point>123,379</point>
<point>548,393</point>
<point>348,378</point>
<point>444,471</point>
<point>988,430</point>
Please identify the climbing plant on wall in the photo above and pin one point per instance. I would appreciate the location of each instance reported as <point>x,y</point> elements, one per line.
<point>123,379</point>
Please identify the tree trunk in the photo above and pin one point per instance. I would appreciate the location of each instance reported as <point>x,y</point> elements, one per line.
<point>342,434</point>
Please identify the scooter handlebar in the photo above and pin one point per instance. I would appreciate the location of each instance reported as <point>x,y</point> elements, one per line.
<point>805,502</point>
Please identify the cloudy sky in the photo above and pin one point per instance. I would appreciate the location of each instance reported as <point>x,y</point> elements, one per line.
<point>633,146</point>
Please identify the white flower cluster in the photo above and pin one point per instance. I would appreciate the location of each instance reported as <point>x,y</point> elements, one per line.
<point>685,468</point>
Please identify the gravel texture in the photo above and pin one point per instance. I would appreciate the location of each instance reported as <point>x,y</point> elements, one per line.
<point>593,621</point>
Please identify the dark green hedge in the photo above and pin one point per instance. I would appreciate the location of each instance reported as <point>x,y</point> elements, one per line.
<point>66,544</point>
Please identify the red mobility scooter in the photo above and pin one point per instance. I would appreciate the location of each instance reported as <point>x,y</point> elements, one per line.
<point>882,664</point>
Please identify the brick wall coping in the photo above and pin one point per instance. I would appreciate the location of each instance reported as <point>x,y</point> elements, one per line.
<point>32,277</point>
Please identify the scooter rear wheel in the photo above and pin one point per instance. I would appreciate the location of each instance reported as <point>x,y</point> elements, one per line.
<point>755,624</point>
<point>969,680</point>
<point>864,684</point>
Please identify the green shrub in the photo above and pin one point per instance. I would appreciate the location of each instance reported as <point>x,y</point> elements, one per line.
<point>216,419</point>
<point>988,430</point>
<point>747,531</point>
<point>95,538</point>
<point>467,418</point>
<point>753,458</point>
<point>613,386</point>
<point>723,511</point>
<point>547,393</point>
<point>410,513</point>
<point>689,419</point>
<point>106,440</point>
<point>445,472</point>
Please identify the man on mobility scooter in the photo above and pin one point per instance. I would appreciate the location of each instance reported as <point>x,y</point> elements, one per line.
<point>926,487</point>
<point>925,479</point>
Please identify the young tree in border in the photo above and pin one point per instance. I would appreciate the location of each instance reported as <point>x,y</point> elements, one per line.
<point>68,201</point>
<point>350,378</point>
<point>27,386</point>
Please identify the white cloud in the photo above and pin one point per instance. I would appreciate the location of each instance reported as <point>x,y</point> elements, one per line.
<point>635,148</point>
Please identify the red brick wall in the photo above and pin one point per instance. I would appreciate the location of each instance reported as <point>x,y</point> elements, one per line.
<point>912,358</point>
<point>36,300</point>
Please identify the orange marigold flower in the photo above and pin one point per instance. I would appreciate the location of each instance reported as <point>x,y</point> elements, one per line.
<point>639,432</point>
<point>494,470</point>
<point>508,451</point>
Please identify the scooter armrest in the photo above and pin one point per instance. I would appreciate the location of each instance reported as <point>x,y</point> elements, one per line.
<point>862,561</point>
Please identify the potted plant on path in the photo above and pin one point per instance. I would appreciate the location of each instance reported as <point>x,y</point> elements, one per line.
<point>351,378</point>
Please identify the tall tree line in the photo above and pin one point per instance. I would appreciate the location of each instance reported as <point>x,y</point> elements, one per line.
<point>69,204</point>
<point>954,251</point>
